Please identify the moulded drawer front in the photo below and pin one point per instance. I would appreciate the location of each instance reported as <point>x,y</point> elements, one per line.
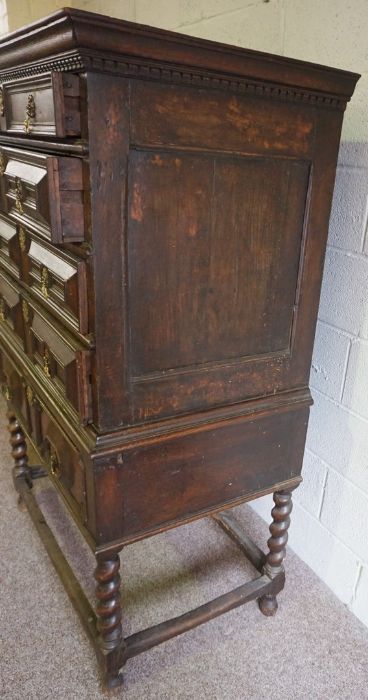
<point>59,280</point>
<point>12,310</point>
<point>47,105</point>
<point>44,193</point>
<point>62,360</point>
<point>64,463</point>
<point>10,254</point>
<point>16,391</point>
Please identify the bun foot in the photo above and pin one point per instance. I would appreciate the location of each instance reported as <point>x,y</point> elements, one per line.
<point>268,605</point>
<point>21,504</point>
<point>112,683</point>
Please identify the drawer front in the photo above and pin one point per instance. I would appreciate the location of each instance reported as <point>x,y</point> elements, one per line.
<point>59,281</point>
<point>13,310</point>
<point>55,277</point>
<point>44,193</point>
<point>64,464</point>
<point>16,391</point>
<point>62,361</point>
<point>48,105</point>
<point>10,254</point>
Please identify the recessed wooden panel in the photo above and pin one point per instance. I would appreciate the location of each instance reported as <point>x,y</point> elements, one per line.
<point>233,227</point>
<point>192,117</point>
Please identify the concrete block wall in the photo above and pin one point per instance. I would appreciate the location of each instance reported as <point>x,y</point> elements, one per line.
<point>329,521</point>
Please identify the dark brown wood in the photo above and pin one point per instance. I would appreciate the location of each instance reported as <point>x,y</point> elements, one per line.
<point>45,193</point>
<point>21,469</point>
<point>55,106</point>
<point>144,640</point>
<point>66,147</point>
<point>277,546</point>
<point>164,206</point>
<point>164,480</point>
<point>111,643</point>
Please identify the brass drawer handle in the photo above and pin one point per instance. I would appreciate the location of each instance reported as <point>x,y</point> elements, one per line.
<point>2,102</point>
<point>45,281</point>
<point>54,464</point>
<point>18,188</point>
<point>22,236</point>
<point>30,113</point>
<point>2,163</point>
<point>5,390</point>
<point>29,395</point>
<point>2,310</point>
<point>46,363</point>
<point>25,311</point>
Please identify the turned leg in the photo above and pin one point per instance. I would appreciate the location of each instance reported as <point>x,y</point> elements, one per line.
<point>21,469</point>
<point>108,609</point>
<point>277,545</point>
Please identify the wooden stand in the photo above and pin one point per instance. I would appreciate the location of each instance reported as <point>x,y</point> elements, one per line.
<point>104,624</point>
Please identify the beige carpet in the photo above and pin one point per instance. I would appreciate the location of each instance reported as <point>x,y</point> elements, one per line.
<point>314,648</point>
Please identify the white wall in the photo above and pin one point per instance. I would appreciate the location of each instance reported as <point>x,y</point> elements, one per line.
<point>329,527</point>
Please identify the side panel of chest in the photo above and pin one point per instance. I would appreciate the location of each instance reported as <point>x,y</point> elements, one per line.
<point>221,192</point>
<point>217,245</point>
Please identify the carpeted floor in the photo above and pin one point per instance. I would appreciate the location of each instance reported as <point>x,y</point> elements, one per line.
<point>314,648</point>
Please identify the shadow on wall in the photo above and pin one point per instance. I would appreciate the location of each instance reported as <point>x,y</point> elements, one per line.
<point>332,503</point>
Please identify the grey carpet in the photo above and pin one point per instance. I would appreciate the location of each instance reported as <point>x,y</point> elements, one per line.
<point>314,648</point>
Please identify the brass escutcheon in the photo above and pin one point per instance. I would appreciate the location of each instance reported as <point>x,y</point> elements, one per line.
<point>45,281</point>
<point>2,163</point>
<point>22,239</point>
<point>46,363</point>
<point>6,392</point>
<point>54,464</point>
<point>18,188</point>
<point>30,113</point>
<point>25,311</point>
<point>29,394</point>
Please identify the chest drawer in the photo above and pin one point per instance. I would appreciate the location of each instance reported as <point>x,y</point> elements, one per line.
<point>10,254</point>
<point>44,193</point>
<point>47,105</point>
<point>12,310</point>
<point>63,361</point>
<point>15,390</point>
<point>59,280</point>
<point>64,464</point>
<point>56,277</point>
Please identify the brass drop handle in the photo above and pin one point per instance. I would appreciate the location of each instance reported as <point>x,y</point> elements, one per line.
<point>54,464</point>
<point>2,163</point>
<point>30,113</point>
<point>5,390</point>
<point>22,236</point>
<point>2,102</point>
<point>19,195</point>
<point>46,363</point>
<point>30,395</point>
<point>45,281</point>
<point>25,311</point>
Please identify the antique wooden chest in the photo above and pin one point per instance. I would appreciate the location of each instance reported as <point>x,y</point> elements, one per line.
<point>164,206</point>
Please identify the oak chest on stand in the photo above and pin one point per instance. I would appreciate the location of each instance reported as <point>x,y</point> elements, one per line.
<point>164,205</point>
